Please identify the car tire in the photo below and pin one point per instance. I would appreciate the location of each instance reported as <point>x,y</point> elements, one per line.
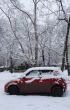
<point>57,91</point>
<point>13,90</point>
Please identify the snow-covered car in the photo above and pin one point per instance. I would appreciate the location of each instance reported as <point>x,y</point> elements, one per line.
<point>38,80</point>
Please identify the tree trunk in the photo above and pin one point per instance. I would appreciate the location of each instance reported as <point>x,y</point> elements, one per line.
<point>11,65</point>
<point>65,46</point>
<point>43,57</point>
<point>35,31</point>
<point>67,61</point>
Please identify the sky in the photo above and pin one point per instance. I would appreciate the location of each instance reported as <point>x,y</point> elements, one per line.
<point>27,3</point>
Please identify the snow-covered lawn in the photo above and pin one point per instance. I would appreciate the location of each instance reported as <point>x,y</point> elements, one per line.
<point>31,102</point>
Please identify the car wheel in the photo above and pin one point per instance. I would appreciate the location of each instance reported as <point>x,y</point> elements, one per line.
<point>57,91</point>
<point>13,90</point>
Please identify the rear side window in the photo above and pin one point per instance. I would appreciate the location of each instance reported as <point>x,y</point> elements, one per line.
<point>46,72</point>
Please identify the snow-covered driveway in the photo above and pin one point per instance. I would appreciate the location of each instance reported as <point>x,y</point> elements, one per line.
<point>29,102</point>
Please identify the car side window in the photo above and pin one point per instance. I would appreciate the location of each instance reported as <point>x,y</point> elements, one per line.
<point>33,73</point>
<point>46,72</point>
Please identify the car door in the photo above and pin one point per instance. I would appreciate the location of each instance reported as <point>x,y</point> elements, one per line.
<point>31,84</point>
<point>45,80</point>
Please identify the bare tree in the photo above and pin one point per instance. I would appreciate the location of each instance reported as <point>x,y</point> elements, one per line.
<point>34,22</point>
<point>67,20</point>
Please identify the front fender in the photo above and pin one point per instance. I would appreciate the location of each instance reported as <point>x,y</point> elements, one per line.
<point>9,84</point>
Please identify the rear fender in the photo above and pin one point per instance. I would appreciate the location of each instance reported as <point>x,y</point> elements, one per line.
<point>55,86</point>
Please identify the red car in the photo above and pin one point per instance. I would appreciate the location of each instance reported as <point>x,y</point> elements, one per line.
<point>38,80</point>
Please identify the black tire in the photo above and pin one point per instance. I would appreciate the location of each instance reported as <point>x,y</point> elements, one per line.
<point>13,90</point>
<point>57,91</point>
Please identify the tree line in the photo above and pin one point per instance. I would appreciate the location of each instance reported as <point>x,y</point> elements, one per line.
<point>36,37</point>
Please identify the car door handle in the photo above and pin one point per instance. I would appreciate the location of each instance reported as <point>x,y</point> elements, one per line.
<point>41,80</point>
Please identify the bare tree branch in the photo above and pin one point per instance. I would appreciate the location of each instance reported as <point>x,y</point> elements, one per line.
<point>12,28</point>
<point>63,19</point>
<point>52,12</point>
<point>36,1</point>
<point>62,8</point>
<point>22,11</point>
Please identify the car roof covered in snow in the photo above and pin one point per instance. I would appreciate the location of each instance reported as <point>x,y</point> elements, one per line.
<point>43,68</point>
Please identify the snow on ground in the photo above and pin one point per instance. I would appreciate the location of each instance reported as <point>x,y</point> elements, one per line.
<point>31,102</point>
